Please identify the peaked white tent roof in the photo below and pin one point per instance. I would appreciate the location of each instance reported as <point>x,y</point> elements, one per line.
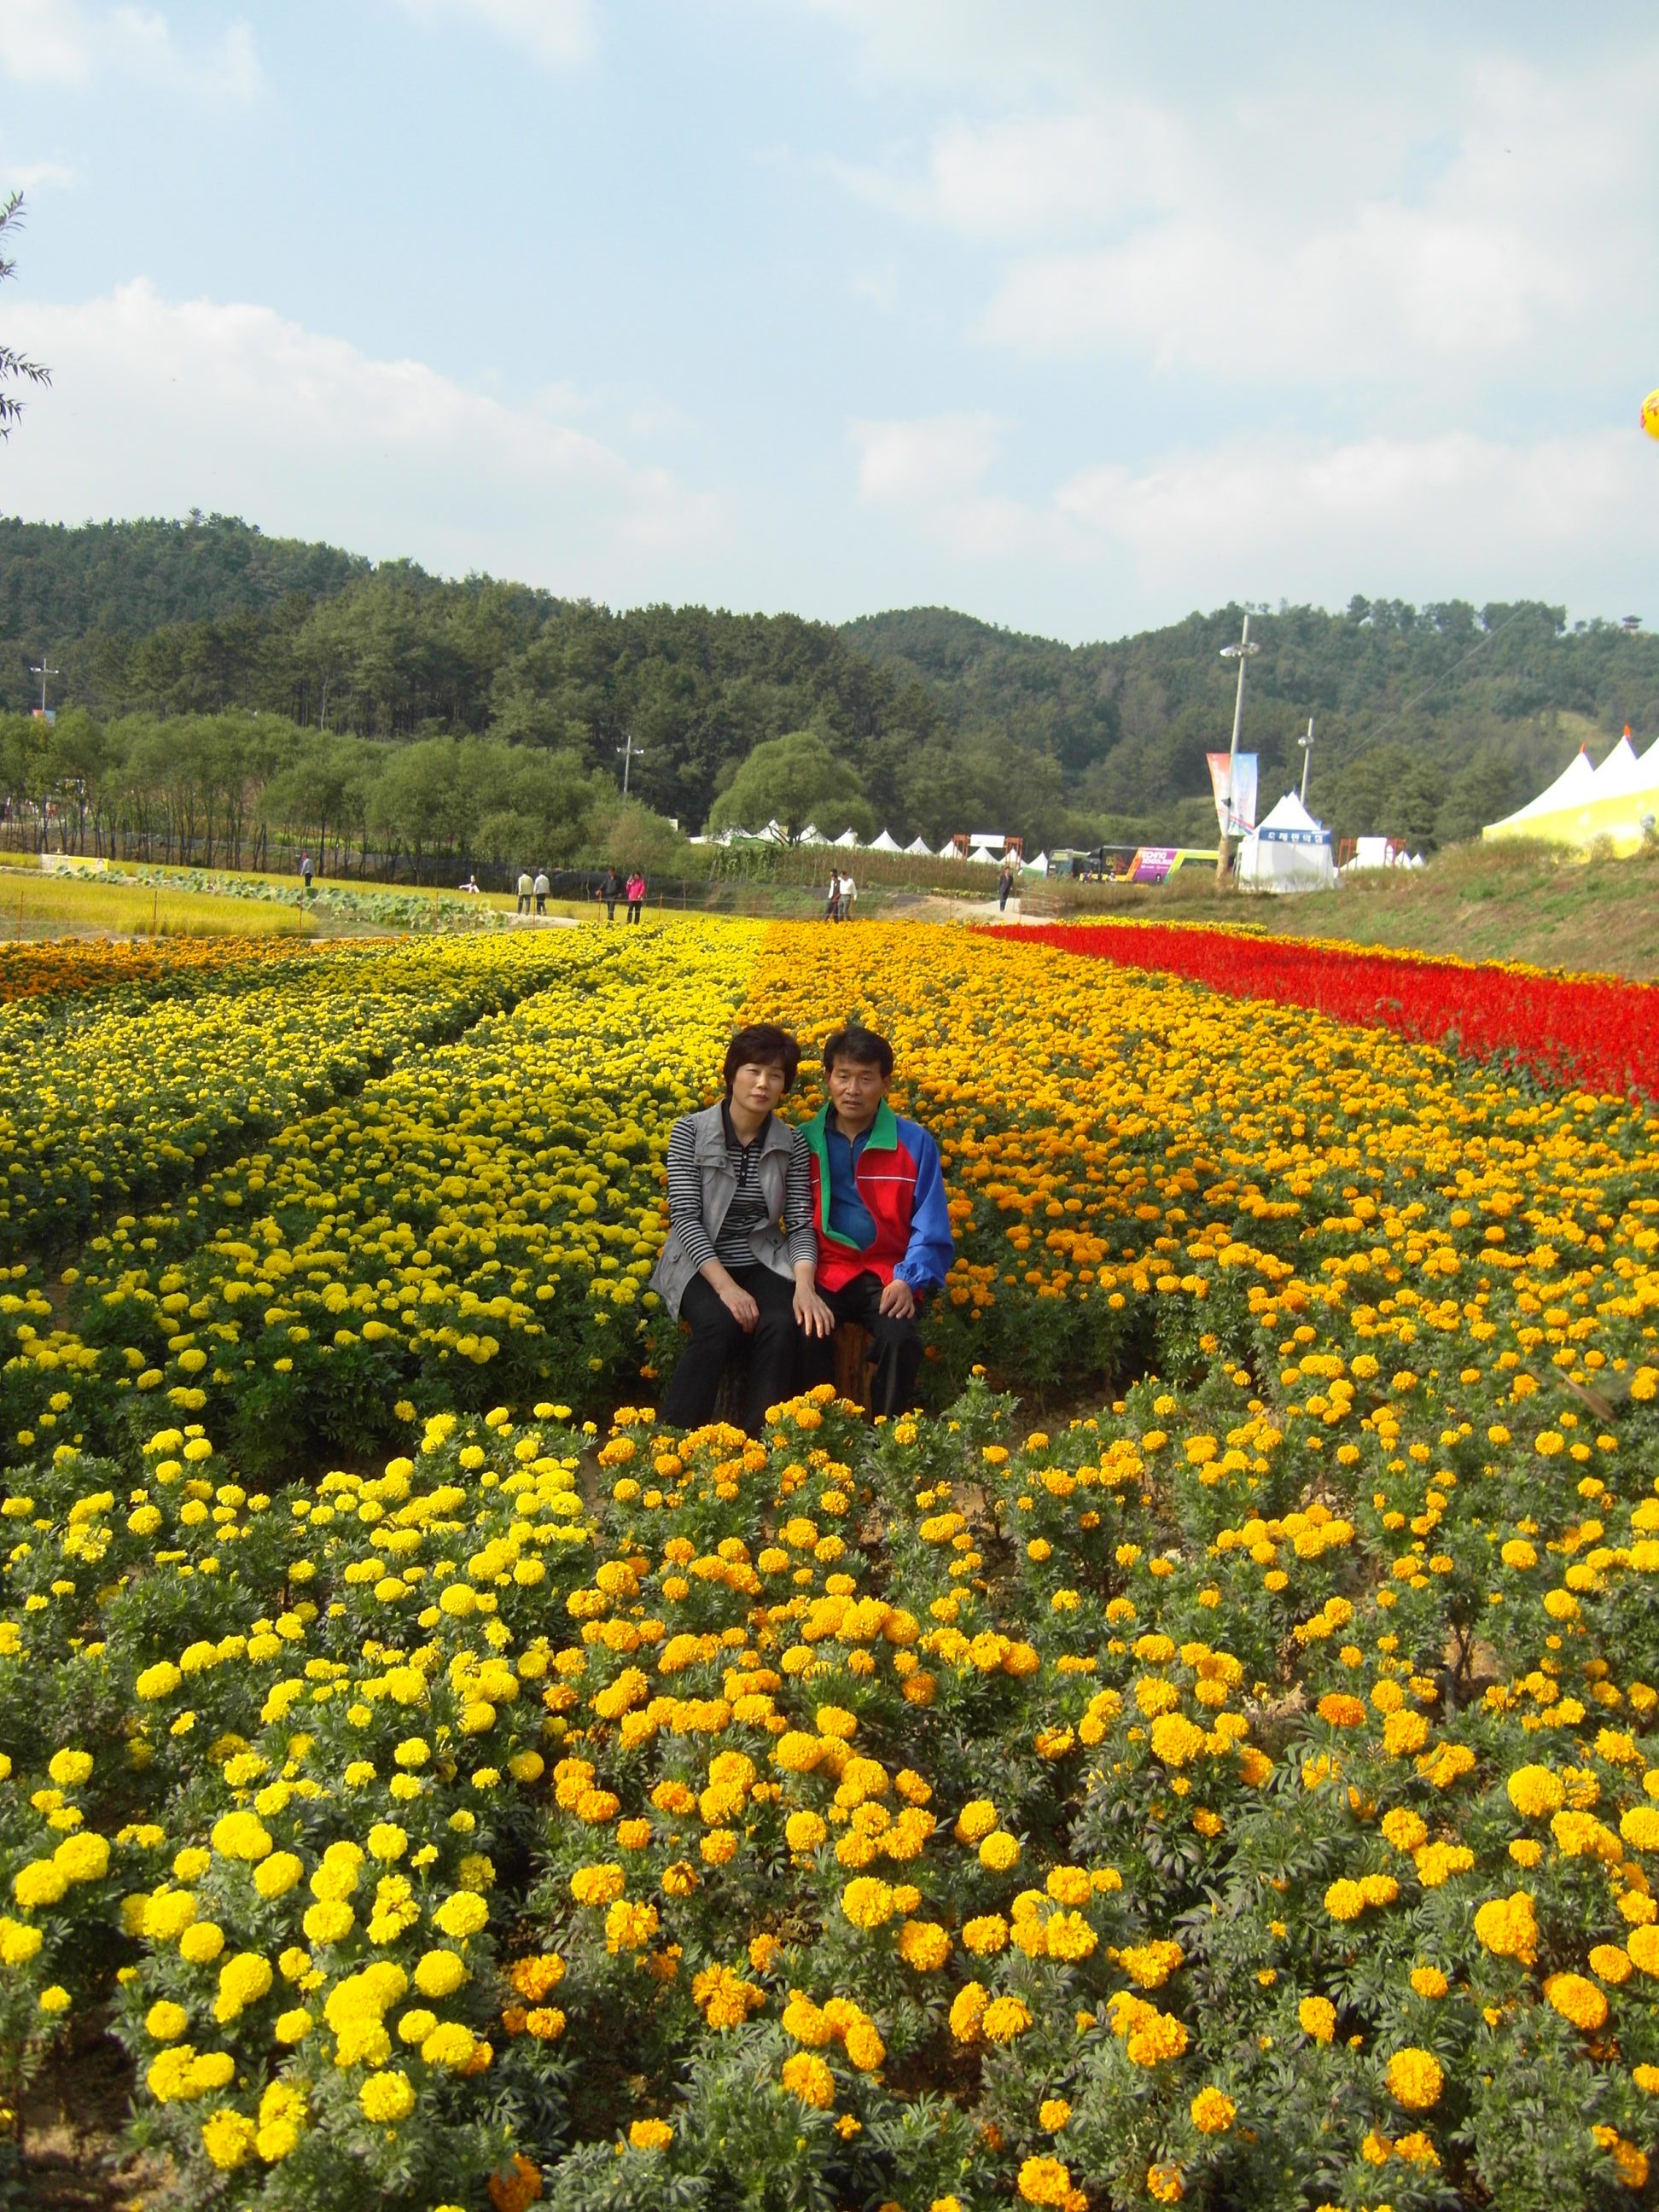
<point>811,835</point>
<point>885,843</point>
<point>1571,788</point>
<point>1039,867</point>
<point>1614,802</point>
<point>1288,851</point>
<point>849,840</point>
<point>1619,774</point>
<point>921,848</point>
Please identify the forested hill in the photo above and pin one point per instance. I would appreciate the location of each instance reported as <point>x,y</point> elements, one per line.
<point>1429,721</point>
<point>57,583</point>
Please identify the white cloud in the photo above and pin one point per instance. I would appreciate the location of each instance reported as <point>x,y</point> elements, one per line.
<point>916,463</point>
<point>156,407</point>
<point>553,32</point>
<point>1028,177</point>
<point>65,42</point>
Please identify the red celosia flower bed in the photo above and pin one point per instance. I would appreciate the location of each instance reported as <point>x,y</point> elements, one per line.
<point>1600,1031</point>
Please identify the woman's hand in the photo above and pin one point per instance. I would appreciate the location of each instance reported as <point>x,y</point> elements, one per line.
<point>813,1316</point>
<point>738,1303</point>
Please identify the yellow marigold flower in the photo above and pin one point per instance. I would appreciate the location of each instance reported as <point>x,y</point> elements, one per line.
<point>386,2098</point>
<point>165,2020</point>
<point>1342,1710</point>
<point>808,2077</point>
<point>227,2139</point>
<point>1004,2019</point>
<point>1577,2000</point>
<point>1612,1964</point>
<point>1404,1829</point>
<point>1415,2079</point>
<point>867,1902</point>
<point>1428,1982</point>
<point>1345,1901</point>
<point>1317,2016</point>
<point>924,1945</point>
<point>999,1851</point>
<point>1212,2111</point>
<point>975,1820</point>
<point>1535,1792</point>
<point>1164,2183</point>
<point>803,1831</point>
<point>1053,2114</point>
<point>987,1935</point>
<point>241,1836</point>
<point>967,2011</point>
<point>597,1885</point>
<point>1176,1740</point>
<point>1045,2181</point>
<point>650,2135</point>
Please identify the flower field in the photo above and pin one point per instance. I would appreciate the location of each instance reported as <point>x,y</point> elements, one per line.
<point>1239,1786</point>
<point>1598,1029</point>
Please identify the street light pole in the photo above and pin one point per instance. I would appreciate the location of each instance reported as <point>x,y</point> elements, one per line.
<point>1241,652</point>
<point>43,671</point>
<point>625,753</point>
<point>1306,745</point>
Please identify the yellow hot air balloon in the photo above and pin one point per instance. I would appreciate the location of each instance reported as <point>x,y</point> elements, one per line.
<point>1651,414</point>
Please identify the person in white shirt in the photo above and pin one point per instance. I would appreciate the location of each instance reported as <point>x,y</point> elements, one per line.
<point>849,891</point>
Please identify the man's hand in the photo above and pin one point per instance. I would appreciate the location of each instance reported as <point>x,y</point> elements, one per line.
<point>898,1300</point>
<point>811,1314</point>
<point>738,1303</point>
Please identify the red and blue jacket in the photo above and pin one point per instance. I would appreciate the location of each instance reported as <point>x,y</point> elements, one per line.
<point>896,1171</point>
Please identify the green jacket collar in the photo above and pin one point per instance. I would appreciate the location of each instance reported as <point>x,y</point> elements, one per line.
<point>883,1136</point>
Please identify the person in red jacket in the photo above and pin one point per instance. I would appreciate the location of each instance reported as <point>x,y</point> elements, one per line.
<point>879,1205</point>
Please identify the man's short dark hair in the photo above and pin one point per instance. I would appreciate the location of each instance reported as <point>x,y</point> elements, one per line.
<point>854,1043</point>
<point>763,1044</point>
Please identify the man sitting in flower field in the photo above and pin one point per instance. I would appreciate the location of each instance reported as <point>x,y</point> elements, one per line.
<point>883,1227</point>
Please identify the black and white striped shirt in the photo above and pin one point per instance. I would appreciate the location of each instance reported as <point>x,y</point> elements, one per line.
<point>748,1209</point>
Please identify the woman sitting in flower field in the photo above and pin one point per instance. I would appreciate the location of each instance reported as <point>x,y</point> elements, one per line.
<point>740,1229</point>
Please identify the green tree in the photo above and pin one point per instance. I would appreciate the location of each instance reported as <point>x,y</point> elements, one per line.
<point>794,780</point>
<point>13,363</point>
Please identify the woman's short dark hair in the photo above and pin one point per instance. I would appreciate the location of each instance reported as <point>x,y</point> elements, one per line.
<point>763,1044</point>
<point>854,1043</point>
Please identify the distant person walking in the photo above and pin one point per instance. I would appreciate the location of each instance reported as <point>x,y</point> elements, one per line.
<point>609,891</point>
<point>525,888</point>
<point>635,895</point>
<point>541,888</point>
<point>832,897</point>
<point>305,873</point>
<point>849,891</point>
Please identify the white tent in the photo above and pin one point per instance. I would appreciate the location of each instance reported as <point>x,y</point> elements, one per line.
<point>948,851</point>
<point>848,840</point>
<point>1039,867</point>
<point>1616,801</point>
<point>984,853</point>
<point>1374,853</point>
<point>1570,788</point>
<point>811,835</point>
<point>921,849</point>
<point>885,843</point>
<point>1287,852</point>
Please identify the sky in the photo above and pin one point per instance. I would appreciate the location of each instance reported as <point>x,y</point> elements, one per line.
<point>1076,315</point>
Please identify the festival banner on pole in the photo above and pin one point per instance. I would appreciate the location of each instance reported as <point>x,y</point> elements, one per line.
<point>1238,819</point>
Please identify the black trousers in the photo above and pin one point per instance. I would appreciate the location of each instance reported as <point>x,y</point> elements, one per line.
<point>689,1400</point>
<point>895,1344</point>
<point>633,906</point>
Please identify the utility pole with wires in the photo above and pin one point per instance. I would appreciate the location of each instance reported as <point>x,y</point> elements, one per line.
<point>1306,743</point>
<point>627,753</point>
<point>43,671</point>
<point>1242,654</point>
